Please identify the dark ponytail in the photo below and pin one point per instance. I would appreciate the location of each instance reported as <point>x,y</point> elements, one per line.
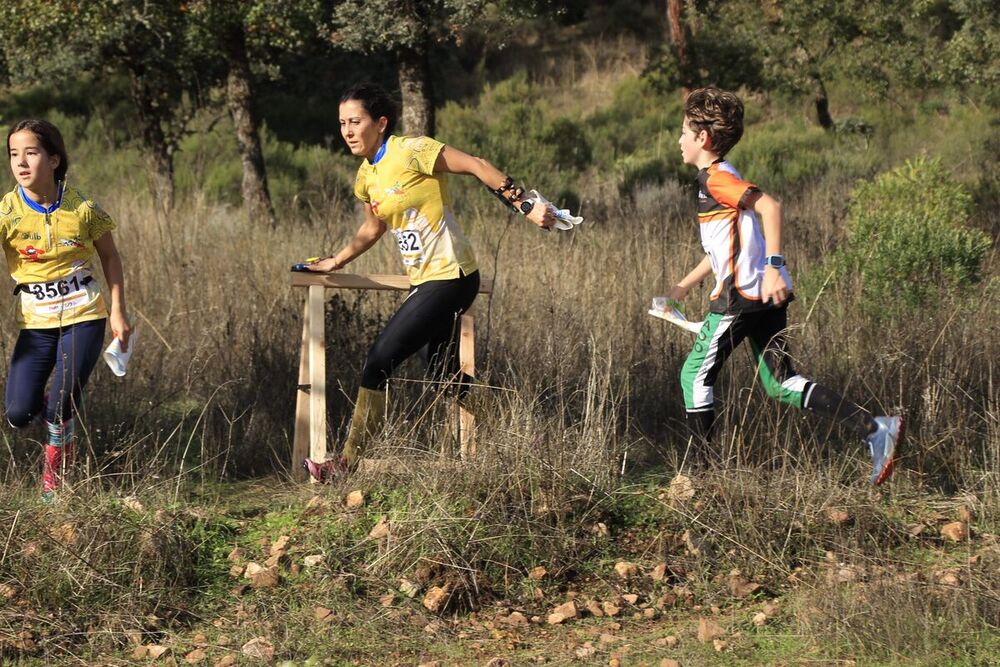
<point>376,102</point>
<point>50,138</point>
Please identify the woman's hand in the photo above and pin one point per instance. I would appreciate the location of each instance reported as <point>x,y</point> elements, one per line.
<point>325,265</point>
<point>542,216</point>
<point>120,328</point>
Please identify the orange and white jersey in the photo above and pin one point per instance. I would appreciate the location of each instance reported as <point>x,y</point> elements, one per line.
<point>732,237</point>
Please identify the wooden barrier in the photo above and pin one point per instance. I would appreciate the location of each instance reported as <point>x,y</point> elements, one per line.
<point>310,400</point>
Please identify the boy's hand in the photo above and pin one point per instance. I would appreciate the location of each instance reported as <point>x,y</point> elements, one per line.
<point>775,289</point>
<point>677,293</point>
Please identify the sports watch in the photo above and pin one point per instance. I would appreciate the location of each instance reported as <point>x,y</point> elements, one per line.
<point>775,261</point>
<point>526,206</point>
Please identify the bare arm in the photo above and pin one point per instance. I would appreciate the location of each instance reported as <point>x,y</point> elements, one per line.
<point>371,230</point>
<point>111,262</point>
<point>695,276</point>
<point>774,289</point>
<point>453,161</point>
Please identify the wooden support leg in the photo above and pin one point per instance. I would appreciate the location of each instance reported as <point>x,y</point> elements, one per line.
<point>300,441</point>
<point>317,374</point>
<point>467,360</point>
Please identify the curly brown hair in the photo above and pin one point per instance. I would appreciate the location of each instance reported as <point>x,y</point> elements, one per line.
<point>718,112</point>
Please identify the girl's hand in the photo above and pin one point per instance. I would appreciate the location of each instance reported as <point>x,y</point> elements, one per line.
<point>120,328</point>
<point>325,265</point>
<point>542,216</point>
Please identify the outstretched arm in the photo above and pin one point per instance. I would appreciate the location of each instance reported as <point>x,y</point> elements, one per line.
<point>111,262</point>
<point>371,230</point>
<point>453,161</point>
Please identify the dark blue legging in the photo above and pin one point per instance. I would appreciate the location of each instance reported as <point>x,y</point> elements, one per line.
<point>71,351</point>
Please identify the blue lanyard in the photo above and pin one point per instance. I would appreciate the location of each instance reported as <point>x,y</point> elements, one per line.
<point>35,206</point>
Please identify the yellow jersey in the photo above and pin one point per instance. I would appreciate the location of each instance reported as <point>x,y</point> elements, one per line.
<point>414,202</point>
<point>49,255</point>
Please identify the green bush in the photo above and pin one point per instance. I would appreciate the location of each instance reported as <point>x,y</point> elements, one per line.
<point>788,155</point>
<point>908,242</point>
<point>514,128</point>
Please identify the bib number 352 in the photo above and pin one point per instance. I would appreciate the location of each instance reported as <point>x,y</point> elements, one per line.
<point>410,246</point>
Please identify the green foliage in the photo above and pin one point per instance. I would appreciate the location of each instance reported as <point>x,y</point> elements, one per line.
<point>299,177</point>
<point>370,26</point>
<point>783,156</point>
<point>268,27</point>
<point>882,46</point>
<point>907,239</point>
<point>513,128</point>
<point>635,136</point>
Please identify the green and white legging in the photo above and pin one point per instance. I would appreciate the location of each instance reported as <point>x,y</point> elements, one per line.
<point>721,334</point>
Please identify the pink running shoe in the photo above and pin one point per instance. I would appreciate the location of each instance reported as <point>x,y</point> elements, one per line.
<point>56,459</point>
<point>328,471</point>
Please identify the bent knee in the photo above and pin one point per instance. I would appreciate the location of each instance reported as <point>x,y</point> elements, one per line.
<point>19,417</point>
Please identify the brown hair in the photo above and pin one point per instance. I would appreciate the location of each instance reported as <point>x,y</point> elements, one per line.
<point>718,112</point>
<point>50,138</point>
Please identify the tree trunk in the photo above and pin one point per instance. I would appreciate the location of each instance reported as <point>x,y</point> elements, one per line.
<point>159,152</point>
<point>678,39</point>
<point>239,97</point>
<point>415,88</point>
<point>822,103</point>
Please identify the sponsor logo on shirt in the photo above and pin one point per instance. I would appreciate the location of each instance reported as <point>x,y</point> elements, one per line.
<point>32,254</point>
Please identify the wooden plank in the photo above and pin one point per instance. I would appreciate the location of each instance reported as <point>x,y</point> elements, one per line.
<point>300,441</point>
<point>467,363</point>
<point>317,374</point>
<point>376,281</point>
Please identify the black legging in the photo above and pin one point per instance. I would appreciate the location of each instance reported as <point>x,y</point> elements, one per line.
<point>427,319</point>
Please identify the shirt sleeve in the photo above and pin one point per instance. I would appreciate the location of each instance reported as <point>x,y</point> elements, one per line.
<point>422,154</point>
<point>728,190</point>
<point>360,189</point>
<point>96,220</point>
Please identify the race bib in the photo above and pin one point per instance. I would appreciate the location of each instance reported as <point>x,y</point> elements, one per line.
<point>410,246</point>
<point>54,297</point>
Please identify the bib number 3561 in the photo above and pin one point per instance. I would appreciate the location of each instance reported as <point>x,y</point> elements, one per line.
<point>56,288</point>
<point>57,296</point>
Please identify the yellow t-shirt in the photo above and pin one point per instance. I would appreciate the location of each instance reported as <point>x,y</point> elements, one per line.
<point>49,255</point>
<point>406,194</point>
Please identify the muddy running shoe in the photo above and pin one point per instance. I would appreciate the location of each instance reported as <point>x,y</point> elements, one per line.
<point>328,471</point>
<point>882,446</point>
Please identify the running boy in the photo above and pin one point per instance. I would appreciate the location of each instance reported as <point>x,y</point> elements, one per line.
<point>741,234</point>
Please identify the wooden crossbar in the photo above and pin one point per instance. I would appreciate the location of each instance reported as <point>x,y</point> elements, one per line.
<point>310,400</point>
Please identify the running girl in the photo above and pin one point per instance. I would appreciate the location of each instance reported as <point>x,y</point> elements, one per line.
<point>404,187</point>
<point>49,233</point>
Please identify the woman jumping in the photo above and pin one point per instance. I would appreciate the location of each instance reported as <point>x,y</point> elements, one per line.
<point>403,185</point>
